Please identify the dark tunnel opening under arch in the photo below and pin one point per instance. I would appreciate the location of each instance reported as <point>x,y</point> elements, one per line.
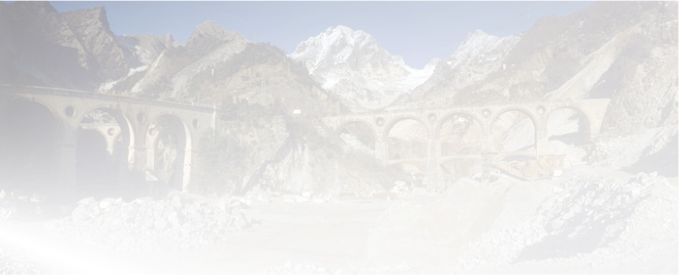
<point>96,175</point>
<point>29,140</point>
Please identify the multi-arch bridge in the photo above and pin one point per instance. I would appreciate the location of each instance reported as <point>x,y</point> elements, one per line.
<point>134,126</point>
<point>133,132</point>
<point>431,123</point>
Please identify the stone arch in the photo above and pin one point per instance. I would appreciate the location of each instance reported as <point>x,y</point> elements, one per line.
<point>585,124</point>
<point>179,177</point>
<point>341,126</point>
<point>534,120</point>
<point>515,108</point>
<point>445,117</point>
<point>394,121</point>
<point>127,130</point>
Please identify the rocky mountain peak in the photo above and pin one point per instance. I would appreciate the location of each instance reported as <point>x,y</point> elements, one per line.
<point>352,65</point>
<point>212,30</point>
<point>479,43</point>
<point>338,45</point>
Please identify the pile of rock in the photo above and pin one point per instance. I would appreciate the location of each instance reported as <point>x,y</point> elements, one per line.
<point>310,268</point>
<point>590,218</point>
<point>16,206</point>
<point>145,224</point>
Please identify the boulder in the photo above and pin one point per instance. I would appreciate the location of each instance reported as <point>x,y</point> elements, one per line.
<point>105,203</point>
<point>86,202</point>
<point>142,200</point>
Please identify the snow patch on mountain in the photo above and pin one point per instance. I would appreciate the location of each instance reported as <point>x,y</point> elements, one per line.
<point>478,46</point>
<point>352,65</point>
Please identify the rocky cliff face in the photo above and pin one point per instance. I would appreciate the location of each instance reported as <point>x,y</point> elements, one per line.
<point>208,46</point>
<point>352,65</point>
<point>142,50</point>
<point>103,55</point>
<point>43,47</point>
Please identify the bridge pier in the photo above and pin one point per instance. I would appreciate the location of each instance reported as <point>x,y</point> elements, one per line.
<point>64,172</point>
<point>434,182</point>
<point>541,140</point>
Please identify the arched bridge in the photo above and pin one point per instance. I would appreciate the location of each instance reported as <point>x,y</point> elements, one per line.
<point>430,125</point>
<point>135,125</point>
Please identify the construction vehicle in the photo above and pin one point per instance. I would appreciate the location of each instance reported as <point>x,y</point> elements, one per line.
<point>532,168</point>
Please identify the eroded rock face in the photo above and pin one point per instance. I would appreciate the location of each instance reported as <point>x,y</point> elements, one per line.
<point>103,54</point>
<point>588,218</point>
<point>73,50</point>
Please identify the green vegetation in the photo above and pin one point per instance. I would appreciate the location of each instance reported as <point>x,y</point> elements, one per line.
<point>220,164</point>
<point>129,82</point>
<point>166,131</point>
<point>220,156</point>
<point>154,91</point>
<point>253,54</point>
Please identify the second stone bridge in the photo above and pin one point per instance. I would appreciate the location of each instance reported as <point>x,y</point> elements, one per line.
<point>591,111</point>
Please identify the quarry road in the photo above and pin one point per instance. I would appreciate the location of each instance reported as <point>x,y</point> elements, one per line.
<point>10,238</point>
<point>332,235</point>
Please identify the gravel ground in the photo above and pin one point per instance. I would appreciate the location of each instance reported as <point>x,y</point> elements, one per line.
<point>21,261</point>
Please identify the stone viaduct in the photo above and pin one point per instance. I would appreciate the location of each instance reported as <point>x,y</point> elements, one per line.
<point>134,117</point>
<point>381,123</point>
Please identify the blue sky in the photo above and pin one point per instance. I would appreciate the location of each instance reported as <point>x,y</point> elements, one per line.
<point>417,31</point>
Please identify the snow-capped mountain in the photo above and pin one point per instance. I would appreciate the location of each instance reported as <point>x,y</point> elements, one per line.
<point>352,65</point>
<point>479,55</point>
<point>480,47</point>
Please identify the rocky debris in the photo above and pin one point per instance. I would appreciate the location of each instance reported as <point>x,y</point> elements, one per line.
<point>145,224</point>
<point>22,261</point>
<point>427,237</point>
<point>310,268</point>
<point>18,207</point>
<point>624,151</point>
<point>589,218</point>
